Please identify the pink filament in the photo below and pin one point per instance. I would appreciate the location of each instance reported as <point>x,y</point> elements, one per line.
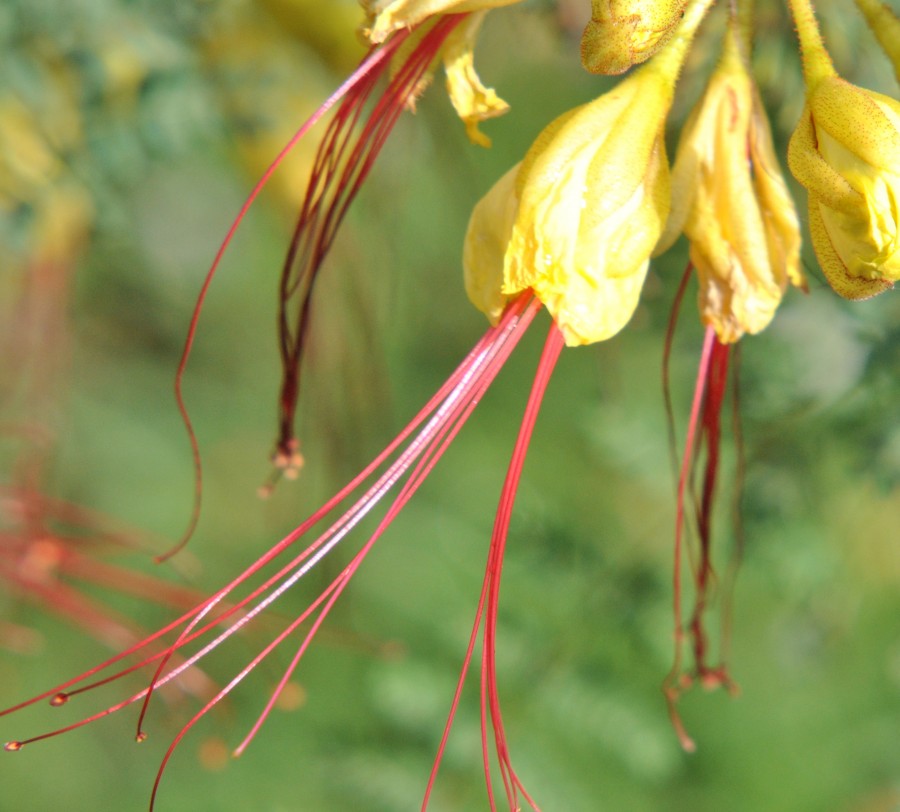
<point>342,164</point>
<point>351,95</point>
<point>436,425</point>
<point>489,600</point>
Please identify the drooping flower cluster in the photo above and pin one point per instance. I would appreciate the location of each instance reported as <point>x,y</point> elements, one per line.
<point>571,228</point>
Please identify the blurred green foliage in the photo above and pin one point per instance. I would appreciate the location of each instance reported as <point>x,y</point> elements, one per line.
<point>170,108</point>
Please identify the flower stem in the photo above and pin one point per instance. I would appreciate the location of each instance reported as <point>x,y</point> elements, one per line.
<point>670,59</point>
<point>816,61</point>
<point>740,27</point>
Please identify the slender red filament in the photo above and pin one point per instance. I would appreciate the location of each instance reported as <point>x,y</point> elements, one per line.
<point>703,440</point>
<point>403,466</point>
<point>716,387</point>
<point>350,98</point>
<point>674,683</point>
<point>489,601</point>
<point>345,157</point>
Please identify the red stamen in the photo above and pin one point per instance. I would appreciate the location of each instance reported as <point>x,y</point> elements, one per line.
<point>717,381</point>
<point>369,70</point>
<point>704,434</point>
<point>342,164</point>
<point>489,600</point>
<point>436,426</point>
<point>673,685</point>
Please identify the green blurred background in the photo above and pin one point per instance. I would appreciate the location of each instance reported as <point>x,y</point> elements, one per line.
<point>131,131</point>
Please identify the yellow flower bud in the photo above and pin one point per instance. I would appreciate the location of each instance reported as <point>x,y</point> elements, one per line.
<point>386,16</point>
<point>846,152</point>
<point>623,33</point>
<point>730,199</point>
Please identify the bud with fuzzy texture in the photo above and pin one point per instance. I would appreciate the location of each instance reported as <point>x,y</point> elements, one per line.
<point>846,152</point>
<point>623,33</point>
<point>730,199</point>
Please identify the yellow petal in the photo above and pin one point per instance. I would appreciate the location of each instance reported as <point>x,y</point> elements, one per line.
<point>594,194</point>
<point>845,284</point>
<point>780,219</point>
<point>863,121</point>
<point>487,236</point>
<point>472,101</point>
<point>732,203</point>
<point>814,172</point>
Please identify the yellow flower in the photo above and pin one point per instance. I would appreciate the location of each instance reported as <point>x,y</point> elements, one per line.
<point>846,152</point>
<point>593,198</point>
<point>623,33</point>
<point>386,16</point>
<point>577,221</point>
<point>730,199</point>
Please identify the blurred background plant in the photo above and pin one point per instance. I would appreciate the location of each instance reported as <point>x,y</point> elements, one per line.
<point>129,134</point>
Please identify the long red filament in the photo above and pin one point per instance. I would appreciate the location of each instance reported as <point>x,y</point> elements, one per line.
<point>370,69</point>
<point>515,312</point>
<point>703,437</point>
<point>442,417</point>
<point>489,600</point>
<point>673,684</point>
<point>342,164</point>
<point>717,382</point>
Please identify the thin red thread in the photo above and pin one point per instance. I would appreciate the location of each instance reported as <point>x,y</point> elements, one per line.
<point>489,601</point>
